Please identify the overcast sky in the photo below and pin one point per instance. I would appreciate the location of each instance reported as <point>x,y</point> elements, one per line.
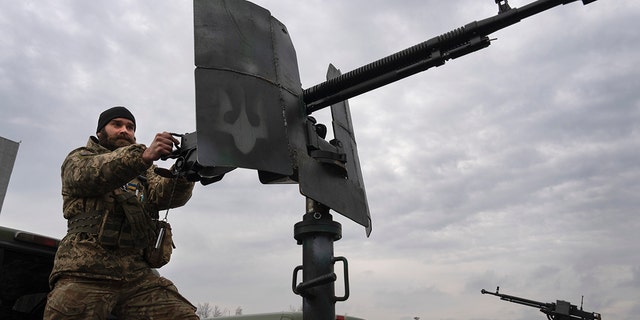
<point>515,166</point>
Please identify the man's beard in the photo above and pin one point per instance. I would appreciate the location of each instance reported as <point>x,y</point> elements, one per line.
<point>114,142</point>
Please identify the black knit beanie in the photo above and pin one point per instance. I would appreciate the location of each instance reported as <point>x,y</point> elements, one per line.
<point>112,113</point>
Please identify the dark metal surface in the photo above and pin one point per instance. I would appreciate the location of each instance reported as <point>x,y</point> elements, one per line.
<point>249,110</point>
<point>8,153</point>
<point>342,191</point>
<point>316,233</point>
<point>247,87</point>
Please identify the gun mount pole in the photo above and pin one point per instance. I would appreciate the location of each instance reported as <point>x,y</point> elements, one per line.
<point>316,233</point>
<point>431,53</point>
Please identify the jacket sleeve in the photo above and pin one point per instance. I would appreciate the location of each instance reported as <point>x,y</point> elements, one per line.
<point>86,173</point>
<point>164,193</point>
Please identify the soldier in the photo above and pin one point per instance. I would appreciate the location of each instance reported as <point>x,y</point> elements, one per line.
<point>111,199</point>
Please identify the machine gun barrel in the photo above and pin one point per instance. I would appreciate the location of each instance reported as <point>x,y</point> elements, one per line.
<point>433,52</point>
<point>523,301</point>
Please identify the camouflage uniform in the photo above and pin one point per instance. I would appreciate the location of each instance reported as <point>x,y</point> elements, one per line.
<point>92,276</point>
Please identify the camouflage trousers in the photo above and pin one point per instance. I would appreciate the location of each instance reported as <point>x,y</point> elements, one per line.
<point>151,297</point>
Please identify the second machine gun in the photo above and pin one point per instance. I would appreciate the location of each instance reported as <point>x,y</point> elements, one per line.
<point>560,310</point>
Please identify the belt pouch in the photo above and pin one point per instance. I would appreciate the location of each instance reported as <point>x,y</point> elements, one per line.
<point>158,252</point>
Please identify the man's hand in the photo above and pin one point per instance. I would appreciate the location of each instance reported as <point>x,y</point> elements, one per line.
<point>161,145</point>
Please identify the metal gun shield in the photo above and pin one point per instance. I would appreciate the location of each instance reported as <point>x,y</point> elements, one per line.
<point>247,87</point>
<point>319,182</point>
<point>250,110</point>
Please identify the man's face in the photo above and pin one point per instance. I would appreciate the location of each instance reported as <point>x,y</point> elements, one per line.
<point>119,132</point>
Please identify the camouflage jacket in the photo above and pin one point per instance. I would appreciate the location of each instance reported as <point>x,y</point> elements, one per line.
<point>89,177</point>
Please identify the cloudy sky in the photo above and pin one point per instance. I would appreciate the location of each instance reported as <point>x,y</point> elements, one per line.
<point>515,166</point>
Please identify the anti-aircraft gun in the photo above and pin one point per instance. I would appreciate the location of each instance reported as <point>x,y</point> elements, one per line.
<point>251,112</point>
<point>559,310</point>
